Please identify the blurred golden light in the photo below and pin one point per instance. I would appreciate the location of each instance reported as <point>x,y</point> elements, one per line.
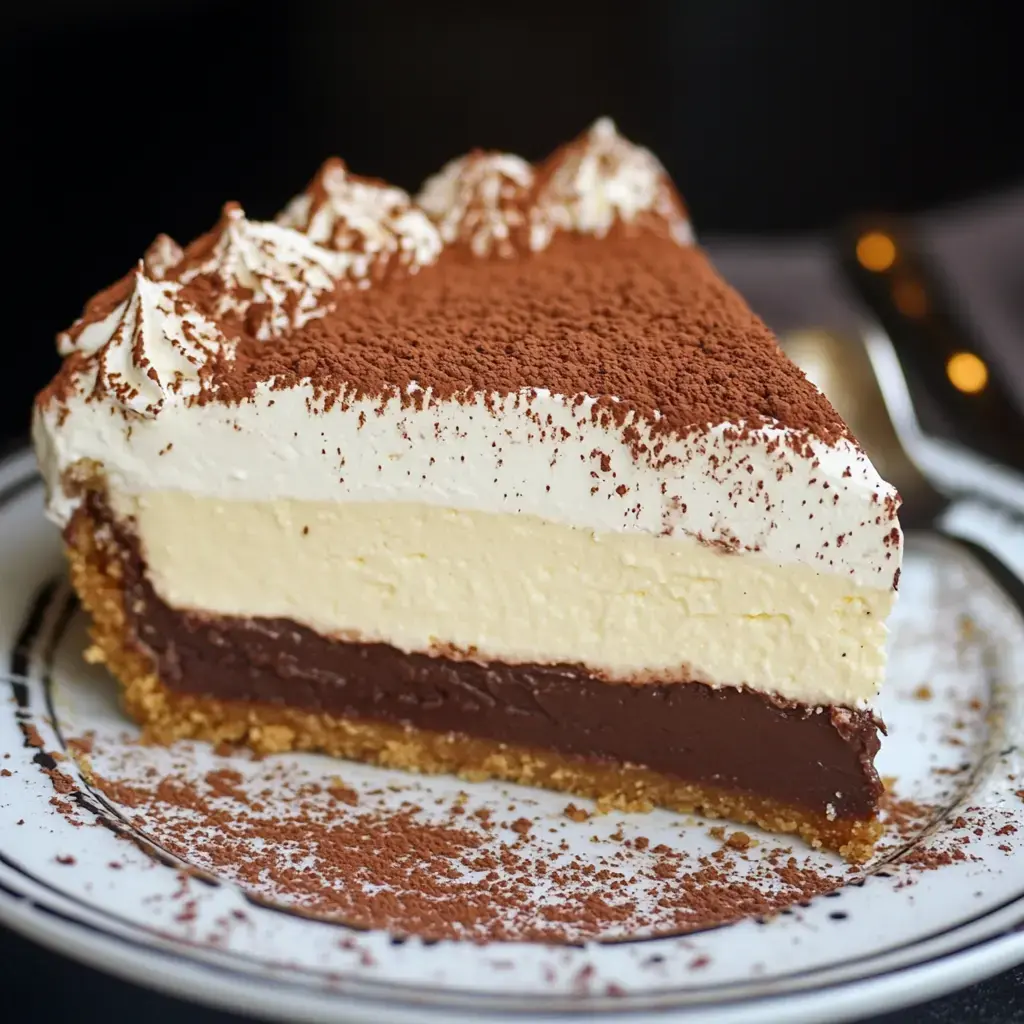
<point>910,298</point>
<point>876,251</point>
<point>967,372</point>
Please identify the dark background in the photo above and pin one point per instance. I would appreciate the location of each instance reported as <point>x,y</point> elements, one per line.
<point>129,117</point>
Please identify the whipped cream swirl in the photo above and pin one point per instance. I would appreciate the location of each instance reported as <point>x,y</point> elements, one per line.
<point>269,278</point>
<point>373,227</point>
<point>151,347</point>
<point>601,178</point>
<point>162,256</point>
<point>481,200</point>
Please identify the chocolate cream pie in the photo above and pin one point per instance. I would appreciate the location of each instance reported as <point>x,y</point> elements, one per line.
<point>502,480</point>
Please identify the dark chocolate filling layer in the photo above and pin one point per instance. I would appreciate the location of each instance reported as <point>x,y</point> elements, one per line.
<point>731,738</point>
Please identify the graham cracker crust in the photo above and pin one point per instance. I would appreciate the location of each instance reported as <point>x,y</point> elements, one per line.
<point>166,716</point>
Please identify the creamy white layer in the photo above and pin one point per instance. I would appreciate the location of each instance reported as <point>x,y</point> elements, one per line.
<point>517,588</point>
<point>534,453</point>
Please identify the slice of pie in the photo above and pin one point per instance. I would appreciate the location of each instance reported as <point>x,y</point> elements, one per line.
<point>502,481</point>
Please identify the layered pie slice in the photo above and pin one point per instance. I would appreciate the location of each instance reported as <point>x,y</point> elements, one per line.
<point>502,480</point>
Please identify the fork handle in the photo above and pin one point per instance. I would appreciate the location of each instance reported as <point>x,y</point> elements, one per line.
<point>929,332</point>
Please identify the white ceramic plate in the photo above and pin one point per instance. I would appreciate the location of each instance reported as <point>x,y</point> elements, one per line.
<point>897,934</point>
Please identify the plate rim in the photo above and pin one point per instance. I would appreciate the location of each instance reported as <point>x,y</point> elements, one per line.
<point>898,987</point>
<point>842,1001</point>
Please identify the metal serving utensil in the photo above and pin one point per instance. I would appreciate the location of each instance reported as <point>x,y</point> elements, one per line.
<point>920,335</point>
<point>939,481</point>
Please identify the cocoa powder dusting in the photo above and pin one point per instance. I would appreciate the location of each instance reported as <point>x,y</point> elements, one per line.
<point>631,317</point>
<point>61,783</point>
<point>331,852</point>
<point>574,813</point>
<point>32,737</point>
<point>80,746</point>
<point>380,868</point>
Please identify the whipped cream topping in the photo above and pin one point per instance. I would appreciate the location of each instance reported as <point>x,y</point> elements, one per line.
<point>150,348</point>
<point>601,178</point>
<point>162,256</point>
<point>272,278</point>
<point>498,203</point>
<point>481,200</point>
<point>374,227</point>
